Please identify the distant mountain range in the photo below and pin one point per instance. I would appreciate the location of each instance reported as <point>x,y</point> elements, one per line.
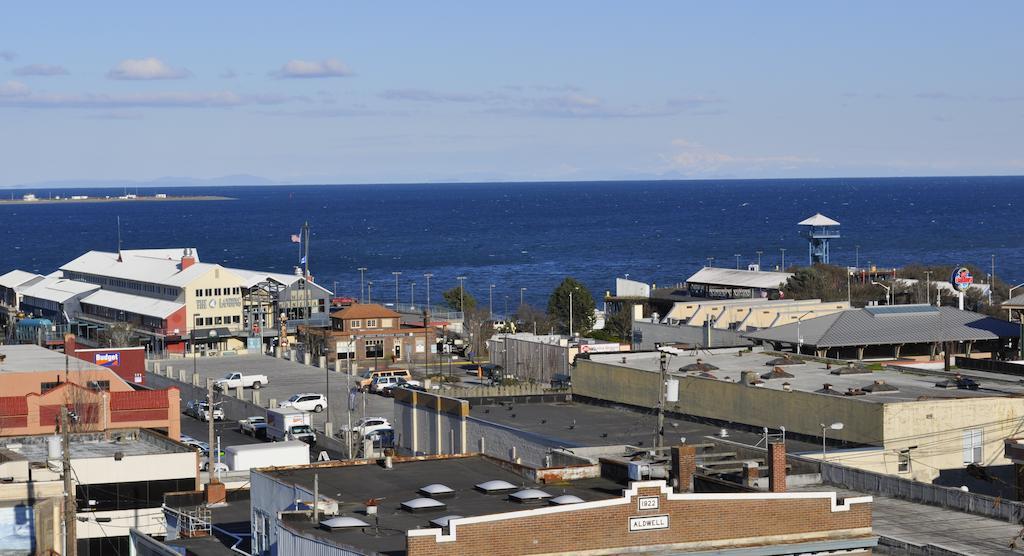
<point>167,181</point>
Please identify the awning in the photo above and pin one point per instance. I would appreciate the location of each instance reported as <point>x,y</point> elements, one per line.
<point>208,333</point>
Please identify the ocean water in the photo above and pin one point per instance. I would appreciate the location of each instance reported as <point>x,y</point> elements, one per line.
<point>531,235</point>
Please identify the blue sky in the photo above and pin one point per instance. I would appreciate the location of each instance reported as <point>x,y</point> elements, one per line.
<point>435,91</point>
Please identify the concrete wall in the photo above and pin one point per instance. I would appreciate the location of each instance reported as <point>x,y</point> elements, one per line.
<point>799,412</point>
<point>429,424</point>
<point>933,427</point>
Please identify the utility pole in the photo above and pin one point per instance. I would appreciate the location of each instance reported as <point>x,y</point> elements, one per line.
<point>462,296</point>
<point>369,291</point>
<point>521,291</point>
<point>659,434</point>
<point>759,259</point>
<point>70,536</point>
<point>737,255</point>
<point>209,426</point>
<point>428,276</point>
<point>570,315</point>
<point>412,294</point>
<point>783,249</point>
<point>316,498</point>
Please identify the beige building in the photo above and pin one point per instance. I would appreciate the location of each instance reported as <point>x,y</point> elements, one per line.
<point>749,314</point>
<point>892,422</point>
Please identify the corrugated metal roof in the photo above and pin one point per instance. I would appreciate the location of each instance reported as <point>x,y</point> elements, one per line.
<point>153,266</point>
<point>137,304</point>
<point>915,325</point>
<point>16,278</point>
<point>58,290</point>
<point>739,278</point>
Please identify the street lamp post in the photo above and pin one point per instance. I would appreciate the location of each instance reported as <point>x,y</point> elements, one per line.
<point>369,291</point>
<point>759,259</point>
<point>887,290</point>
<point>737,255</point>
<point>521,290</point>
<point>428,276</point>
<point>570,315</point>
<point>783,249</point>
<point>490,301</point>
<point>824,427</point>
<point>799,336</point>
<point>362,271</point>
<point>396,275</point>
<point>927,287</point>
<point>412,294</point>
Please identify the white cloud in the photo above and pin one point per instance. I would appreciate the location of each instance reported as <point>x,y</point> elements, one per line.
<point>694,159</point>
<point>145,69</point>
<point>41,70</point>
<point>7,55</point>
<point>17,94</point>
<point>570,103</point>
<point>302,69</point>
<point>13,89</point>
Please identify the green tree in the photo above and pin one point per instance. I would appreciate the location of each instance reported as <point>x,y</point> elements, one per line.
<point>532,319</point>
<point>582,306</point>
<point>456,296</point>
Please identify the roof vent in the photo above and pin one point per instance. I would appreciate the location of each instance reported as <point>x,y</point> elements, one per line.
<point>529,495</point>
<point>880,387</point>
<point>827,389</point>
<point>444,520</point>
<point>855,392</point>
<point>564,500</point>
<point>496,487</point>
<point>423,505</point>
<point>343,523</point>
<point>777,372</point>
<point>437,490</point>
<point>787,387</point>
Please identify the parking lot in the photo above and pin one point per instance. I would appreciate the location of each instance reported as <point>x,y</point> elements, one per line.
<point>286,378</point>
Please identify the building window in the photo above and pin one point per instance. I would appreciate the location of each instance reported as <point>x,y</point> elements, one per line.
<point>47,386</point>
<point>216,292</point>
<point>209,292</point>
<point>371,323</point>
<point>199,321</point>
<point>236,319</point>
<point>374,348</point>
<point>218,320</point>
<point>904,463</point>
<point>99,385</point>
<point>355,323</point>
<point>973,440</point>
<point>209,321</point>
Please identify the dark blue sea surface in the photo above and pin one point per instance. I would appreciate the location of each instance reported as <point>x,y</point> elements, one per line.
<point>532,235</point>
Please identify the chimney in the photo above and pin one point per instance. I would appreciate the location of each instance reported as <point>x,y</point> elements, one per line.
<point>777,466</point>
<point>187,259</point>
<point>684,467</point>
<point>751,473</point>
<point>69,345</point>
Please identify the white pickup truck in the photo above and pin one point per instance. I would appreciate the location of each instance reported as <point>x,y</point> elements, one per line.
<point>234,380</point>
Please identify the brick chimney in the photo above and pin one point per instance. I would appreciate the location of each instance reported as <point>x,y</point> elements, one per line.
<point>751,473</point>
<point>777,466</point>
<point>187,259</point>
<point>69,345</point>
<point>684,467</point>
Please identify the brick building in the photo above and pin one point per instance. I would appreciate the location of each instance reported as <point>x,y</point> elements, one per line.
<point>371,333</point>
<point>36,382</point>
<point>472,504</point>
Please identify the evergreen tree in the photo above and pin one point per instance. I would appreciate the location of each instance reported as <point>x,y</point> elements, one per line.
<point>582,306</point>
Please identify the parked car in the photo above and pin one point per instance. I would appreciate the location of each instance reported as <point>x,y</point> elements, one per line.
<point>255,426</point>
<point>201,410</point>
<point>234,380</point>
<point>367,425</point>
<point>382,383</point>
<point>366,379</point>
<point>388,389</point>
<point>306,402</point>
<point>204,453</point>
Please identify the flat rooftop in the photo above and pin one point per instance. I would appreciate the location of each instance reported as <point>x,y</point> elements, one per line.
<point>352,485</point>
<point>578,424</point>
<point>24,358</point>
<point>810,376</point>
<point>130,442</point>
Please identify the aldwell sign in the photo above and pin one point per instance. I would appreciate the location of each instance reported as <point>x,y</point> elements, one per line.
<point>648,522</point>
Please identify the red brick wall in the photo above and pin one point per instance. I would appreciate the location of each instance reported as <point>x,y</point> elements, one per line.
<point>131,364</point>
<point>690,521</point>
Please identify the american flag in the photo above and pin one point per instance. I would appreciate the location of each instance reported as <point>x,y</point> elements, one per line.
<point>296,238</point>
